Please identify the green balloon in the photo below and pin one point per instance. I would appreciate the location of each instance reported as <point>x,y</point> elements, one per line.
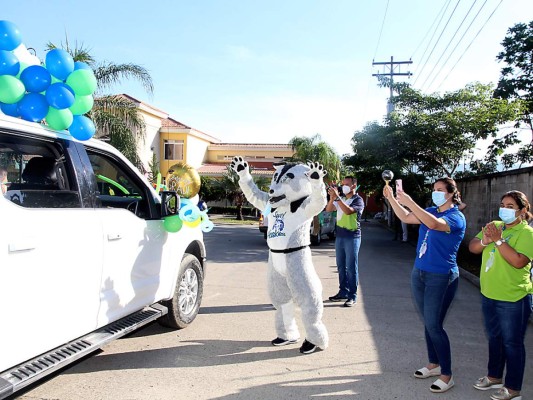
<point>11,89</point>
<point>82,105</point>
<point>173,223</point>
<point>55,80</point>
<point>59,119</point>
<point>82,81</point>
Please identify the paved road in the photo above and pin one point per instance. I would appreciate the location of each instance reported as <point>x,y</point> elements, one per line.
<point>374,347</point>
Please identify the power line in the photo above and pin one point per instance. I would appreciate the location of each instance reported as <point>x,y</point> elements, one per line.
<point>429,30</point>
<point>438,40</point>
<point>381,30</point>
<point>432,36</point>
<point>457,62</point>
<point>446,48</point>
<point>459,42</point>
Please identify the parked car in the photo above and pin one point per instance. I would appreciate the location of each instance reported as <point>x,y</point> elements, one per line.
<point>84,253</point>
<point>322,224</point>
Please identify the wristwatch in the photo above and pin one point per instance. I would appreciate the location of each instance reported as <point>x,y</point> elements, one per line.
<point>498,243</point>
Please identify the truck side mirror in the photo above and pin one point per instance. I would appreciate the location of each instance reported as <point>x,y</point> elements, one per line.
<point>170,204</point>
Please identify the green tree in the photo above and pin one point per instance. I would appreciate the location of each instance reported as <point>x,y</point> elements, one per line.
<point>315,149</point>
<point>438,131</point>
<point>153,169</point>
<point>232,191</point>
<point>117,118</point>
<point>516,82</point>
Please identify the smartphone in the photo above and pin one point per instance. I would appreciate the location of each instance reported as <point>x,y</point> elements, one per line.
<point>399,187</point>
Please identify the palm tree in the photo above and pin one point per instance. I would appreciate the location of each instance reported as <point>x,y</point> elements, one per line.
<point>314,149</point>
<point>117,119</point>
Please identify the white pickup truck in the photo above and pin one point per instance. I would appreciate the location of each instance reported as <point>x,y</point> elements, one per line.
<point>84,255</point>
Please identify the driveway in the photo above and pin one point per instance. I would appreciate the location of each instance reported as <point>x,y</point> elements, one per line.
<point>226,353</point>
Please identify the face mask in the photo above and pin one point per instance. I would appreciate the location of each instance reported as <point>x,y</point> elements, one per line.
<point>346,189</point>
<point>439,198</point>
<point>507,215</point>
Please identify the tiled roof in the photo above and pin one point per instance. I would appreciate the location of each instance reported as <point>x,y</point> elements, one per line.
<point>171,122</point>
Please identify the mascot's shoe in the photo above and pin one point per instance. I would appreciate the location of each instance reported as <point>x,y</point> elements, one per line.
<point>307,347</point>
<point>282,342</point>
<point>338,297</point>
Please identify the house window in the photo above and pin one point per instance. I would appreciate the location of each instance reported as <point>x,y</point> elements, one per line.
<point>173,149</point>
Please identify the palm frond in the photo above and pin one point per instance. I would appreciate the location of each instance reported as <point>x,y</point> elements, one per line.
<point>113,129</point>
<point>78,53</point>
<point>121,108</point>
<point>109,74</point>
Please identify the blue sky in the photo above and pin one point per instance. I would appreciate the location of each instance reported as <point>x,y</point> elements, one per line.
<point>262,72</point>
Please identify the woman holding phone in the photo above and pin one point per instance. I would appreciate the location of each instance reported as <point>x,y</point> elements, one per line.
<point>505,279</point>
<point>434,279</point>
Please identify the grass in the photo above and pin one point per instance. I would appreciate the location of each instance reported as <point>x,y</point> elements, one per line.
<point>230,219</point>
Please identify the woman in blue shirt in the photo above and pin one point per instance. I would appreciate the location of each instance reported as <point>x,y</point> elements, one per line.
<point>434,278</point>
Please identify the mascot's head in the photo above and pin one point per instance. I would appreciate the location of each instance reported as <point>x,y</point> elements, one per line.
<point>290,183</point>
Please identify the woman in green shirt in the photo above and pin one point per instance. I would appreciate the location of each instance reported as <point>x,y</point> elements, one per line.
<point>506,288</point>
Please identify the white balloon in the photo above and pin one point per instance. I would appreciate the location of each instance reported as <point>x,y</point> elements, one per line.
<point>25,56</point>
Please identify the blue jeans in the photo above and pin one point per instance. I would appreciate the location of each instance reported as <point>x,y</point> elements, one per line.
<point>347,255</point>
<point>433,293</point>
<point>505,325</point>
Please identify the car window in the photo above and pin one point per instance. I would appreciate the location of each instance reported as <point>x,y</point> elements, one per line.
<point>118,187</point>
<point>36,174</point>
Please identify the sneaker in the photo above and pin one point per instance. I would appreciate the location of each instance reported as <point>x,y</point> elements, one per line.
<point>349,303</point>
<point>485,384</point>
<point>503,394</point>
<point>282,342</point>
<point>338,297</point>
<point>307,347</point>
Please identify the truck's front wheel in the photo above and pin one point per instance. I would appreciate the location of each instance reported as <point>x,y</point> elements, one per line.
<point>185,304</point>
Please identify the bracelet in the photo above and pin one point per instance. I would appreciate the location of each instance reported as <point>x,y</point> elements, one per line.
<point>483,244</point>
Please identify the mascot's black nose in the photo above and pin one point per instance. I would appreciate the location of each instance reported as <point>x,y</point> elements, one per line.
<point>271,191</point>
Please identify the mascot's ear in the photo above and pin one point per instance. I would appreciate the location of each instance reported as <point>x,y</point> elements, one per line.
<point>278,164</point>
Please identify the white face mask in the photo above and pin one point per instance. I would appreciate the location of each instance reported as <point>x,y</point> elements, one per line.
<point>346,189</point>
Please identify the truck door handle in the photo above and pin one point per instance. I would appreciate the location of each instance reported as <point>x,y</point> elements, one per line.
<point>113,236</point>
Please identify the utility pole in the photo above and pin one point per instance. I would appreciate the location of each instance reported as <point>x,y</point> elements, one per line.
<point>392,72</point>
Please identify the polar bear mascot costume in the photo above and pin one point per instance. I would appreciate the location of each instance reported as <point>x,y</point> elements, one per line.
<point>297,193</point>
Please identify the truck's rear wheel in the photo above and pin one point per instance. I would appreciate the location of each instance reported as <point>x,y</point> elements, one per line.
<point>185,304</point>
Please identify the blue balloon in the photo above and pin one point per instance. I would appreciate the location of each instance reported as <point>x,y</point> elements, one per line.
<point>60,95</point>
<point>9,63</point>
<point>10,109</point>
<point>33,107</point>
<point>59,63</point>
<point>81,65</point>
<point>10,36</point>
<point>36,79</point>
<point>82,128</point>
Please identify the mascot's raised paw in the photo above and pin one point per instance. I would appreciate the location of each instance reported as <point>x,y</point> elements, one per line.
<point>317,171</point>
<point>238,165</point>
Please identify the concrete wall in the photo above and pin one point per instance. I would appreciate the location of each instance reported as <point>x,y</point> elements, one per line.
<point>482,195</point>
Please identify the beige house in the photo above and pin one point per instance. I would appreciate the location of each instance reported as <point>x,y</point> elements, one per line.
<point>173,142</point>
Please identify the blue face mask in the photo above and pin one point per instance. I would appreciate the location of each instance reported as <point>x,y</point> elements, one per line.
<point>507,215</point>
<point>439,198</point>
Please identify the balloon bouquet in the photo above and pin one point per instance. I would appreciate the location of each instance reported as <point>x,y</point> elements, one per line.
<point>186,182</point>
<point>59,92</point>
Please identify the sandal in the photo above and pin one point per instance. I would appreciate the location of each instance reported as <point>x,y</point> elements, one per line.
<point>440,386</point>
<point>424,373</point>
